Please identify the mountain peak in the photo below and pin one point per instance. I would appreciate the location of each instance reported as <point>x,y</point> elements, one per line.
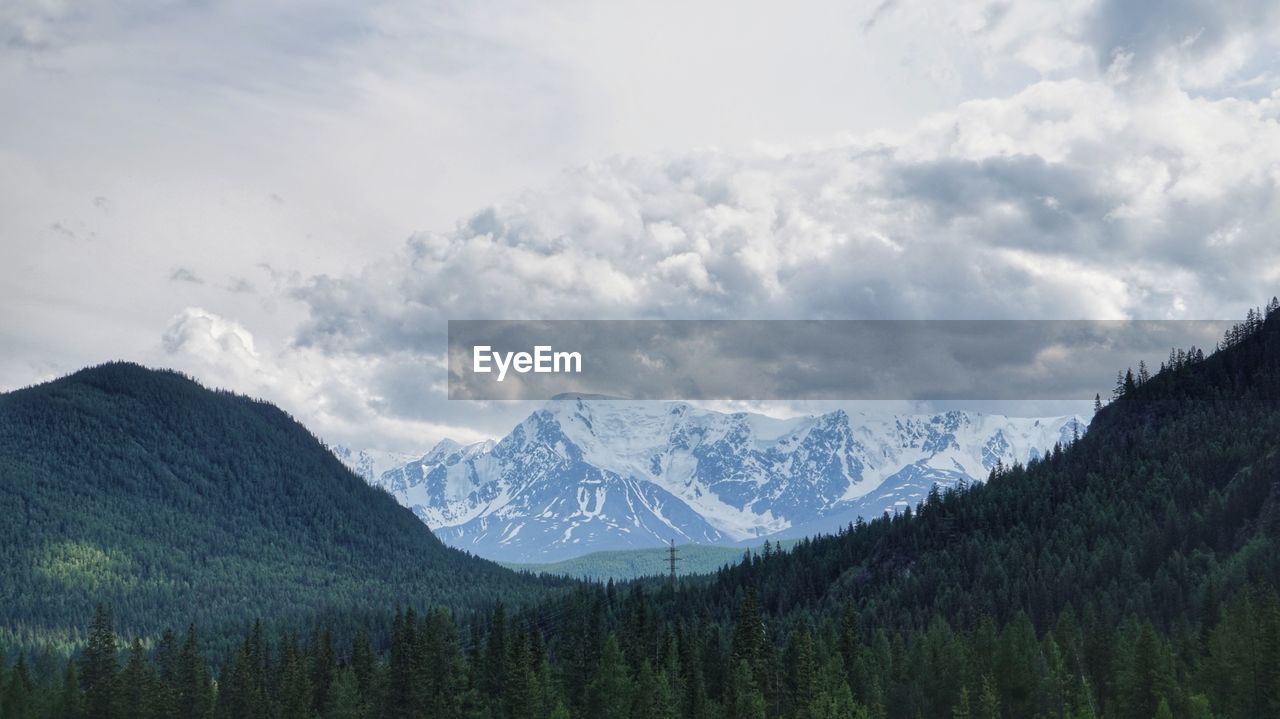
<point>585,474</point>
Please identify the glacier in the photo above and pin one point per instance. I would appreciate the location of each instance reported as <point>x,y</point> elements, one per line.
<point>583,475</point>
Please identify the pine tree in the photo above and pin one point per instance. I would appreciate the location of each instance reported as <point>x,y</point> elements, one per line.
<point>838,704</point>
<point>17,699</point>
<point>1146,680</point>
<point>802,671</point>
<point>962,709</point>
<point>136,687</point>
<point>400,667</point>
<point>98,665</point>
<point>652,698</point>
<point>988,701</point>
<point>609,694</point>
<point>743,697</point>
<point>362,665</point>
<point>324,664</point>
<point>1017,658</point>
<point>295,685</point>
<point>750,641</point>
<point>442,665</point>
<point>71,699</point>
<point>194,695</point>
<point>166,661</point>
<point>344,697</point>
<point>520,691</point>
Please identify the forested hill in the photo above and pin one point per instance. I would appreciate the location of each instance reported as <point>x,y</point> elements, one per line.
<point>1140,564</point>
<point>1129,575</point>
<point>174,504</point>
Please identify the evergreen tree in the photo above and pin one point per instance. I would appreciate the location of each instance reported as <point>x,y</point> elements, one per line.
<point>744,700</point>
<point>988,701</point>
<point>362,665</point>
<point>344,697</point>
<point>802,674</point>
<point>401,665</point>
<point>609,694</point>
<point>16,702</point>
<point>194,695</point>
<point>962,709</point>
<point>98,665</point>
<point>1017,660</point>
<point>71,699</point>
<point>137,686</point>
<point>295,685</point>
<point>750,642</point>
<point>652,698</point>
<point>324,664</point>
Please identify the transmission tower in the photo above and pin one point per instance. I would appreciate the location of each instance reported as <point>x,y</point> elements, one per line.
<point>672,559</point>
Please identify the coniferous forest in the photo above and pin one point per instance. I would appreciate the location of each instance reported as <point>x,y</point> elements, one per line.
<point>1131,574</point>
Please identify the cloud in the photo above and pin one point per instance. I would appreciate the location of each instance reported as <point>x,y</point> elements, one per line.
<point>31,24</point>
<point>823,360</point>
<point>1070,199</point>
<point>1189,43</point>
<point>1066,200</point>
<point>1086,158</point>
<point>239,285</point>
<point>207,335</point>
<point>882,8</point>
<point>183,274</point>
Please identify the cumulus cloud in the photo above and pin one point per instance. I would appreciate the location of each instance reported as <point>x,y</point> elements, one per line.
<point>1067,200</point>
<point>214,338</point>
<point>1038,159</point>
<point>367,401</point>
<point>1070,199</point>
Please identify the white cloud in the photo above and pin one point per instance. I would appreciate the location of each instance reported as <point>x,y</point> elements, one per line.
<point>1087,158</point>
<point>1070,199</point>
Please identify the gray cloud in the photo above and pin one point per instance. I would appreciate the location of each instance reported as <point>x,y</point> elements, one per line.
<point>1204,40</point>
<point>972,159</point>
<point>239,285</point>
<point>1068,200</point>
<point>817,360</point>
<point>183,274</point>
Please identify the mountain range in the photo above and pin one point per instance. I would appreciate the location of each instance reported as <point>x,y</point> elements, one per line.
<point>585,474</point>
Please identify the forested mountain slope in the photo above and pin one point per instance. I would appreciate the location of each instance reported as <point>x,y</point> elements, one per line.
<point>1129,575</point>
<point>1173,493</point>
<point>175,504</point>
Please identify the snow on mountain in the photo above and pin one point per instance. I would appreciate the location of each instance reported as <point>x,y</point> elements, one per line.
<point>370,463</point>
<point>585,475</point>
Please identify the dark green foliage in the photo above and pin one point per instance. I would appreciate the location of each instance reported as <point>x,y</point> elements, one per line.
<point>174,504</point>
<point>1129,575</point>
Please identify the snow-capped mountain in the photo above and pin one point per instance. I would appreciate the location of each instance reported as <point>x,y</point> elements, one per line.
<point>370,463</point>
<point>585,475</point>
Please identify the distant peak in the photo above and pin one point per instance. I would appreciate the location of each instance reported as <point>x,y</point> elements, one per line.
<point>448,447</point>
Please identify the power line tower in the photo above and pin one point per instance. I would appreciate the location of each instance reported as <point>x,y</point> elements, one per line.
<point>672,559</point>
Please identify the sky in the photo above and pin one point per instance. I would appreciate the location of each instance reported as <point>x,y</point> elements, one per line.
<point>290,199</point>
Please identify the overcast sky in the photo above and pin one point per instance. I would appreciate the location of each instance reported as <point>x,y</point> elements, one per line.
<point>289,198</point>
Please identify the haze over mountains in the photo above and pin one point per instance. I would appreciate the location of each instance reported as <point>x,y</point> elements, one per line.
<point>583,475</point>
